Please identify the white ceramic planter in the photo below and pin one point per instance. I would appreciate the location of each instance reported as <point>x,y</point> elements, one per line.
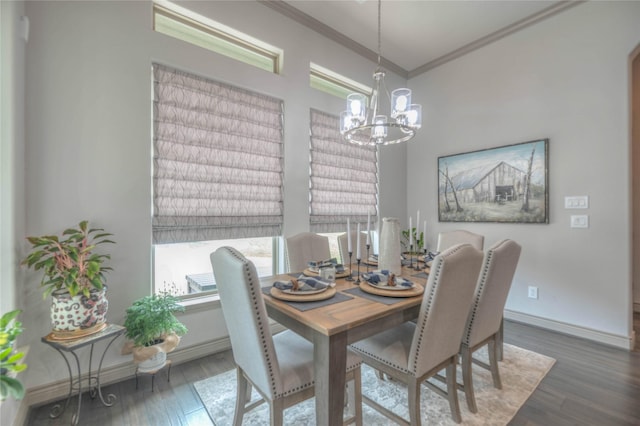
<point>155,363</point>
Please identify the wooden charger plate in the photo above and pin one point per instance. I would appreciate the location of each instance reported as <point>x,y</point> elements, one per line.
<point>415,291</point>
<point>301,297</point>
<point>308,272</point>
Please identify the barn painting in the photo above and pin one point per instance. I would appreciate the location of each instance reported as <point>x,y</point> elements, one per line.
<point>504,184</point>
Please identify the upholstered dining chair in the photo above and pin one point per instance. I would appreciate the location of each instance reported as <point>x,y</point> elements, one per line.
<point>279,366</point>
<point>306,246</point>
<point>459,236</point>
<point>413,352</point>
<point>484,323</point>
<point>343,245</point>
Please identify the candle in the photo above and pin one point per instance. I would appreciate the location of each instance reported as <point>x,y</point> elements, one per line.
<point>358,244</point>
<point>368,229</point>
<point>349,236</point>
<point>417,226</point>
<point>410,232</point>
<point>424,235</point>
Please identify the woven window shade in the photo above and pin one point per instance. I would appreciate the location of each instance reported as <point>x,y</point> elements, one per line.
<point>217,170</point>
<point>344,178</point>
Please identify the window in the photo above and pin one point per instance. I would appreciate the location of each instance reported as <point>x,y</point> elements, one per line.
<point>335,84</point>
<point>217,175</point>
<point>183,24</point>
<point>343,178</point>
<point>185,269</point>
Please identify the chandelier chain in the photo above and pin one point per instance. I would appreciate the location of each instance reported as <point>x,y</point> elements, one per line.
<point>379,32</point>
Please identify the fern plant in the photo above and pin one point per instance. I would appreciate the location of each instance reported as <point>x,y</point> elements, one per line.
<point>150,318</point>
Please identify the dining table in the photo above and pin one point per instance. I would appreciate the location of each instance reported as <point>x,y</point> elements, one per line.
<point>333,327</point>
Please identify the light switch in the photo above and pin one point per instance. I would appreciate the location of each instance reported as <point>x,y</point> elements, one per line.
<point>579,221</point>
<point>576,202</point>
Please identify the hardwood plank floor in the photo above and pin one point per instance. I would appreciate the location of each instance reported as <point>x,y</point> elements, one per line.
<point>636,327</point>
<point>590,384</point>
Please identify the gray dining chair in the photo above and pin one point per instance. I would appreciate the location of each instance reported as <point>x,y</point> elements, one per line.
<point>413,352</point>
<point>303,247</point>
<point>459,236</point>
<point>484,323</point>
<point>343,246</point>
<point>280,367</point>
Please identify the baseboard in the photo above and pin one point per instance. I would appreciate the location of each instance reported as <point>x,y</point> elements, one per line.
<point>624,342</point>
<point>56,390</point>
<point>14,412</point>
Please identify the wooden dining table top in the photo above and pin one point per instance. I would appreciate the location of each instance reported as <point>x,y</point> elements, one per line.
<point>342,316</point>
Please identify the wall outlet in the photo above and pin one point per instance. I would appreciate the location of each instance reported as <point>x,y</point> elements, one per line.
<point>533,292</point>
<point>579,221</point>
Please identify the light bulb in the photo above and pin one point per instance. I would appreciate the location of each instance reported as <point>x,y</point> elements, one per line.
<point>379,129</point>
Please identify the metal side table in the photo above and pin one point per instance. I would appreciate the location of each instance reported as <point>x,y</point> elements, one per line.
<point>70,346</point>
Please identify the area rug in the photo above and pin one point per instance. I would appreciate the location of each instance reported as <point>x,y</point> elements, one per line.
<point>521,371</point>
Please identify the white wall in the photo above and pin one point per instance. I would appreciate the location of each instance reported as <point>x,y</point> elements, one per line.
<point>12,86</point>
<point>565,79</point>
<point>89,136</point>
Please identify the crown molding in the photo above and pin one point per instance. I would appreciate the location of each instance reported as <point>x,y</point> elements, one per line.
<point>308,21</point>
<point>497,35</point>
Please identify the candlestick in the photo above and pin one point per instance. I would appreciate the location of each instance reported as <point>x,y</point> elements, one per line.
<point>367,262</point>
<point>425,256</point>
<point>410,256</point>
<point>358,277</point>
<point>349,237</point>
<point>350,277</point>
<point>417,267</point>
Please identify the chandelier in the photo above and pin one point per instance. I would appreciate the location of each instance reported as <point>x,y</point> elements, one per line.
<point>372,125</point>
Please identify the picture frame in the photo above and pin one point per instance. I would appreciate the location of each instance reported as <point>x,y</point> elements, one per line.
<point>506,184</point>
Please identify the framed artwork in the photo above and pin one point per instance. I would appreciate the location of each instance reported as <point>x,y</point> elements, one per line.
<point>507,184</point>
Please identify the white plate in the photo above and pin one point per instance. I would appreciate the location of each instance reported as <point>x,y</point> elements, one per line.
<point>304,292</point>
<point>384,286</point>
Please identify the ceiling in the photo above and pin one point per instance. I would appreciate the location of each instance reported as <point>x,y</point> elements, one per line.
<point>417,35</point>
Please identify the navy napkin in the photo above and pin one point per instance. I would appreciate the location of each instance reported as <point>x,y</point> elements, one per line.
<point>382,277</point>
<point>316,265</point>
<point>304,284</point>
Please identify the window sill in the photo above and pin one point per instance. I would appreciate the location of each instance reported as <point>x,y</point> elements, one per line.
<point>201,304</point>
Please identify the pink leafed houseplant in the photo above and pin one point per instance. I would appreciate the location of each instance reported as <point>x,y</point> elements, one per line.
<point>74,276</point>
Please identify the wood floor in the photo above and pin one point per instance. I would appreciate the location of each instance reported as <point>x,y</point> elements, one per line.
<point>590,384</point>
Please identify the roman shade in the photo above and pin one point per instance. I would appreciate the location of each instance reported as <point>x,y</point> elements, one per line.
<point>343,177</point>
<point>217,160</point>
